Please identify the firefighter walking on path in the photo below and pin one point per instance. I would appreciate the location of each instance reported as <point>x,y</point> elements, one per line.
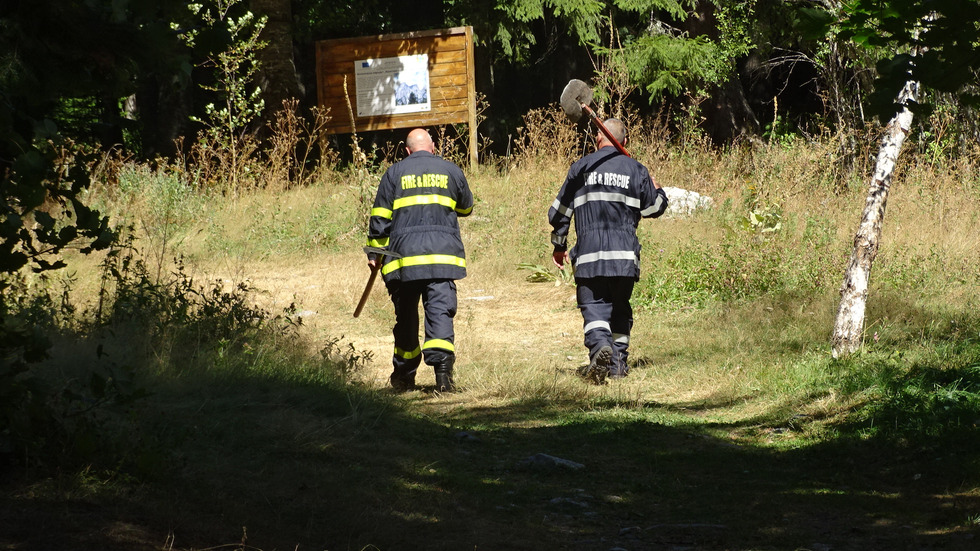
<point>607,193</point>
<point>415,215</point>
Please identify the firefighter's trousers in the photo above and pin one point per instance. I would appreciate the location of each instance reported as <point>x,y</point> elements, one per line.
<point>439,304</point>
<point>607,316</point>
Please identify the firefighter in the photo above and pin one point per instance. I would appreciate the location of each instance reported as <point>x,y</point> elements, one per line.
<point>607,193</point>
<point>415,215</point>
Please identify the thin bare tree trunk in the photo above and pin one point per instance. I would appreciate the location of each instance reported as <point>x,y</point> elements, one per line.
<point>849,325</point>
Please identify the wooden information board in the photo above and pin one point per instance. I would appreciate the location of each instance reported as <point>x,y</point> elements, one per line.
<point>407,80</point>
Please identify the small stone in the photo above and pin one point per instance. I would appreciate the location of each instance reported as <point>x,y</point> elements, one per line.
<point>464,437</point>
<point>543,461</point>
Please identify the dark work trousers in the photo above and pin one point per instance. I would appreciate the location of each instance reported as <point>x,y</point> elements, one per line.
<point>607,317</point>
<point>439,303</point>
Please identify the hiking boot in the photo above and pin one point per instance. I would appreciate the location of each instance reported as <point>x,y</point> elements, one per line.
<point>444,376</point>
<point>598,368</point>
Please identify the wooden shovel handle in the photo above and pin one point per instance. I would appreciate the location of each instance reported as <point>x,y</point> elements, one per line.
<point>609,135</point>
<point>604,130</point>
<point>367,289</point>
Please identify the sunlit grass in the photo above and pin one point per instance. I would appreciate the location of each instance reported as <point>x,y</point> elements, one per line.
<point>733,405</point>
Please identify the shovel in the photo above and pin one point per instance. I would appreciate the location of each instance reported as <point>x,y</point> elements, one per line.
<point>575,100</point>
<point>374,274</point>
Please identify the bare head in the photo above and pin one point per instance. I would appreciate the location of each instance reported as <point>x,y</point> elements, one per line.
<point>616,128</point>
<point>419,140</point>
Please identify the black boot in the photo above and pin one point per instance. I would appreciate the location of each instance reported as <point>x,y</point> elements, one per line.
<point>402,383</point>
<point>598,368</point>
<point>444,375</point>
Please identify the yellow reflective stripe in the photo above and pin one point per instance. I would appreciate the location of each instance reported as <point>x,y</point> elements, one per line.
<point>423,259</point>
<point>407,355</point>
<point>439,343</point>
<point>381,242</point>
<point>382,212</point>
<point>433,199</point>
<point>465,211</point>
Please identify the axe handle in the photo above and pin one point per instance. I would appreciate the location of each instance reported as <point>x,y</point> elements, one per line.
<point>604,130</point>
<point>367,289</point>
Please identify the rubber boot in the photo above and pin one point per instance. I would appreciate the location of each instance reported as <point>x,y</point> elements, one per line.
<point>444,375</point>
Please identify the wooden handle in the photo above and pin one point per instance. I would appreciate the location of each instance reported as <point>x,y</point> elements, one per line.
<point>604,130</point>
<point>367,289</point>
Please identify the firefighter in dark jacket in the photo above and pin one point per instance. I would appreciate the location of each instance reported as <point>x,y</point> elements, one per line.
<point>607,193</point>
<point>415,215</point>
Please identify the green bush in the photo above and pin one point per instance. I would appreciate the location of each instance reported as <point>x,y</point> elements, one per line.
<point>753,259</point>
<point>50,422</point>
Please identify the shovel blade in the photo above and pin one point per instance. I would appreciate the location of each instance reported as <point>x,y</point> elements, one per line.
<point>573,97</point>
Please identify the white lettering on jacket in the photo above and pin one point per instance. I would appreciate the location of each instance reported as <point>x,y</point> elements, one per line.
<point>608,179</point>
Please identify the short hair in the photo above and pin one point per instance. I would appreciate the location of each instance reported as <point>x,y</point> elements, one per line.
<point>616,128</point>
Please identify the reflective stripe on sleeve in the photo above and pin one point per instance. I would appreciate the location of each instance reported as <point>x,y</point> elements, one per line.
<point>562,209</point>
<point>559,240</point>
<point>381,212</point>
<point>423,259</point>
<point>464,211</point>
<point>657,205</point>
<point>381,242</point>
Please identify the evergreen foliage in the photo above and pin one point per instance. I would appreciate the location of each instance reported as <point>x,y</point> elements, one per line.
<point>942,36</point>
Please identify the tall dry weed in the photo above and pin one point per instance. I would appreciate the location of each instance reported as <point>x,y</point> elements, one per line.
<point>452,143</point>
<point>548,137</point>
<point>208,165</point>
<point>453,140</point>
<point>648,138</point>
<point>298,152</point>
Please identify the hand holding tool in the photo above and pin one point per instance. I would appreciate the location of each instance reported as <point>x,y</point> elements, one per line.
<point>374,274</point>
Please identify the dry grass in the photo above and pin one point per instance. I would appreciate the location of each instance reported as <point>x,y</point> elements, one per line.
<point>726,419</point>
<point>517,338</point>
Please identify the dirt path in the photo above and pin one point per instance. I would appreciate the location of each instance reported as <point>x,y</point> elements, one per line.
<point>509,317</point>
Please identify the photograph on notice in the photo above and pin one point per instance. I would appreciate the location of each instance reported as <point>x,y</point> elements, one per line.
<point>392,85</point>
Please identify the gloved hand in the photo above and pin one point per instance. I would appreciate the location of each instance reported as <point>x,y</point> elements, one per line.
<point>558,257</point>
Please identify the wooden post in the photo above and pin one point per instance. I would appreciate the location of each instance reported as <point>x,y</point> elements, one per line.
<point>471,95</point>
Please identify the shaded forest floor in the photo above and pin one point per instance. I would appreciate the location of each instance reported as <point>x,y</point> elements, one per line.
<point>258,461</point>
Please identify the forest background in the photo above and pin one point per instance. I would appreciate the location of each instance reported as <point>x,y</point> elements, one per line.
<point>147,147</point>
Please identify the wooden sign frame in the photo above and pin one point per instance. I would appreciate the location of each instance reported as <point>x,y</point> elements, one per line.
<point>451,98</point>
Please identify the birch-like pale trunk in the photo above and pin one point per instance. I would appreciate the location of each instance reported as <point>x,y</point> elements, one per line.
<point>849,325</point>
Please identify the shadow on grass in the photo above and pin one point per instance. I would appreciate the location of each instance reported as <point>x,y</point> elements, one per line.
<point>302,466</point>
<point>254,461</point>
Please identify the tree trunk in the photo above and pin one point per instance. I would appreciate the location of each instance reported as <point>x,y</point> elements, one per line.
<point>728,114</point>
<point>277,71</point>
<point>854,291</point>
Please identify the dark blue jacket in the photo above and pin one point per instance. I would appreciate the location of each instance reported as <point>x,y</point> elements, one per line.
<point>414,215</point>
<point>608,193</point>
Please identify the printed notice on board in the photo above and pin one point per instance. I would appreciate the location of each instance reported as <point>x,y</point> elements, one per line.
<point>392,85</point>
